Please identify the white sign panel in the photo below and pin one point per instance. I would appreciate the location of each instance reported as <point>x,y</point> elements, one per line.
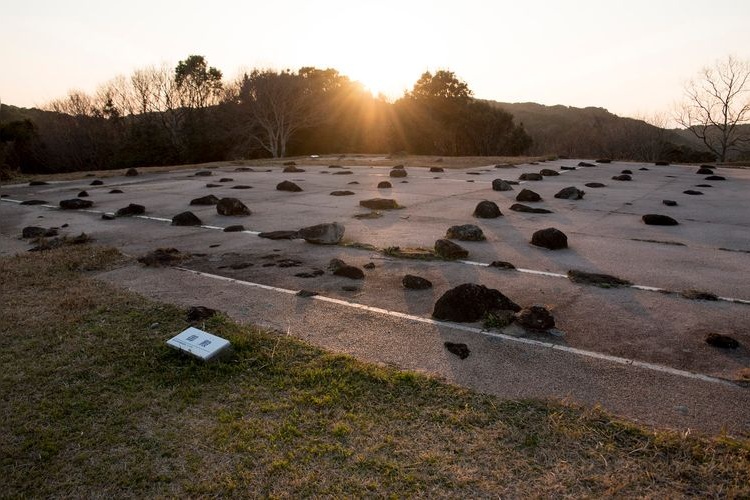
<point>198,343</point>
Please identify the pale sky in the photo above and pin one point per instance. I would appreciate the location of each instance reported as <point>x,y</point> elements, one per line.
<point>631,57</point>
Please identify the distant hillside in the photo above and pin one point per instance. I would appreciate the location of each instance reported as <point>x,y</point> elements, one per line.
<point>591,132</point>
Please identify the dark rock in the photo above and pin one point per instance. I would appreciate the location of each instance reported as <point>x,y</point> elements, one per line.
<point>698,295</point>
<point>369,265</point>
<point>83,194</point>
<point>530,177</point>
<point>705,171</point>
<point>643,168</point>
<point>131,172</point>
<point>96,182</point>
<point>585,164</point>
<point>226,179</point>
<point>33,202</point>
<point>465,232</point>
<point>232,207</point>
<point>550,238</point>
<point>38,232</point>
<point>528,196</point>
<point>131,209</point>
<point>291,169</point>
<point>501,185</point>
<point>415,282</point>
<point>715,178</point>
<point>604,280</point>
<point>306,293</point>
<point>692,192</point>
<point>658,220</point>
<point>203,173</point>
<point>703,185</point>
<point>75,204</point>
<point>205,200</point>
<point>186,219</point>
<point>669,203</point>
<point>43,183</point>
<point>234,229</point>
<point>288,186</point>
<point>312,274</point>
<point>342,193</point>
<point>595,185</point>
<point>449,250</point>
<point>622,177</point>
<point>437,169</point>
<point>604,160</point>
<point>199,313</point>
<point>501,264</point>
<point>323,234</point>
<point>707,166</point>
<point>396,172</point>
<point>518,207</point>
<point>343,172</point>
<point>487,210</point>
<point>548,172</point>
<point>460,350</point>
<point>723,341</point>
<point>209,185</point>
<point>280,235</point>
<point>471,302</point>
<point>347,271</point>
<point>335,166</point>
<point>350,183</point>
<point>570,193</point>
<point>504,165</point>
<point>106,216</point>
<point>567,168</point>
<point>163,257</point>
<point>398,167</point>
<point>244,169</point>
<point>536,318</point>
<point>379,204</point>
<point>384,185</point>
<point>661,163</point>
<point>626,171</point>
<point>115,191</point>
<point>349,288</point>
<point>241,186</point>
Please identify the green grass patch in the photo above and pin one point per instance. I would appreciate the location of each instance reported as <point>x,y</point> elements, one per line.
<point>94,404</point>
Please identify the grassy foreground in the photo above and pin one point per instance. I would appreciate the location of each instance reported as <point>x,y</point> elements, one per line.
<point>93,404</point>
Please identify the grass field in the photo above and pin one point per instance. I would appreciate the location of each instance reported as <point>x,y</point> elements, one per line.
<point>94,404</point>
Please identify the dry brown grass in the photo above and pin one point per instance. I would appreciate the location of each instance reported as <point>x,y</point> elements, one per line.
<point>94,404</point>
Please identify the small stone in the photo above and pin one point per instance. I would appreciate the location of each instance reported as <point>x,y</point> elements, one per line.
<point>596,279</point>
<point>705,171</point>
<point>342,193</point>
<point>288,186</point>
<point>501,185</point>
<point>536,318</point>
<point>715,178</point>
<point>343,172</point>
<point>38,183</point>
<point>595,185</point>
<point>186,219</point>
<point>33,202</point>
<point>226,179</point>
<point>567,168</point>
<point>626,171</point>
<point>75,204</point>
<point>622,177</point>
<point>643,169</point>
<point>131,209</point>
<point>349,288</point>
<point>449,250</point>
<point>96,182</point>
<point>698,295</point>
<point>384,185</point>
<point>241,186</point>
<point>203,173</point>
<point>199,313</point>
<point>83,194</point>
<point>232,207</point>
<point>528,196</point>
<point>465,232</point>
<point>306,293</point>
<point>115,191</point>
<point>703,185</point>
<point>437,169</point>
<point>548,172</point>
<point>460,350</point>
<point>487,210</point>
<point>722,341</point>
<point>415,282</point>
<point>397,172</point>
<point>236,228</point>
<point>369,265</point>
<point>205,200</point>
<point>38,232</point>
<point>585,164</point>
<point>550,238</point>
<point>570,193</point>
<point>658,220</point>
<point>131,172</point>
<point>604,160</point>
<point>530,177</point>
<point>379,204</point>
<point>501,264</point>
<point>692,192</point>
<point>518,207</point>
<point>323,234</point>
<point>292,169</point>
<point>669,203</point>
<point>210,185</point>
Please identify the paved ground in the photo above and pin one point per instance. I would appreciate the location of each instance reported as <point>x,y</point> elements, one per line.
<point>605,235</point>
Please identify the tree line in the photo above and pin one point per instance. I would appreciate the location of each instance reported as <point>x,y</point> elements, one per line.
<point>161,115</point>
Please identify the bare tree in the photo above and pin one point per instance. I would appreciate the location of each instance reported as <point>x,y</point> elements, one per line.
<point>716,104</point>
<point>280,104</point>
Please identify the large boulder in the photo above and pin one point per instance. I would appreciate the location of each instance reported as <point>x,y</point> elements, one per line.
<point>570,193</point>
<point>550,238</point>
<point>205,200</point>
<point>449,250</point>
<point>288,186</point>
<point>186,219</point>
<point>528,195</point>
<point>232,207</point>
<point>76,204</point>
<point>471,302</point>
<point>487,210</point>
<point>465,232</point>
<point>323,234</point>
<point>535,318</point>
<point>501,185</point>
<point>530,177</point>
<point>379,204</point>
<point>131,209</point>
<point>659,220</point>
